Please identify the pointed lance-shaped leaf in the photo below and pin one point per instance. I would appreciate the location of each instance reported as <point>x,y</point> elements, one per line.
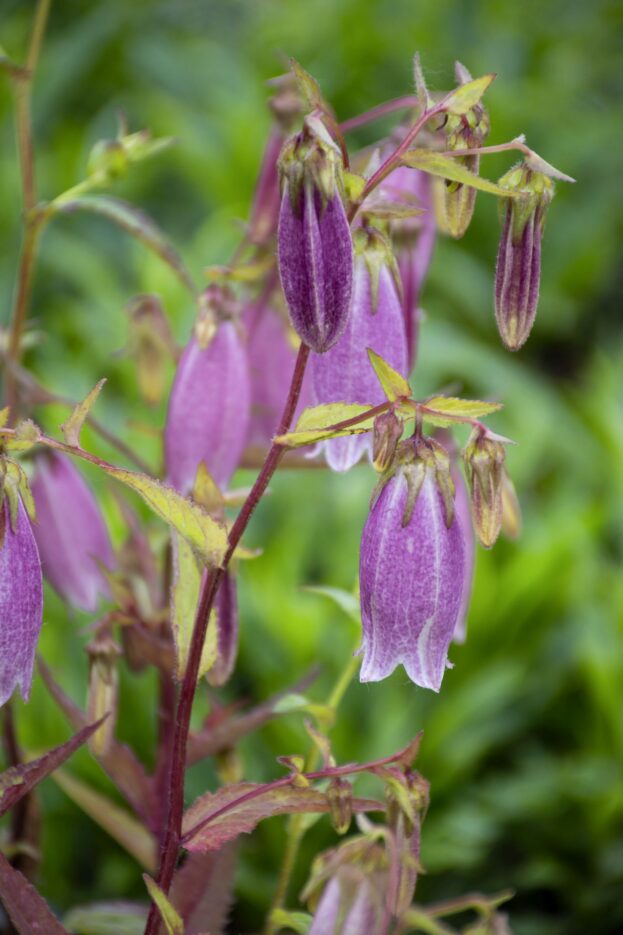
<point>315,250</point>
<point>411,573</point>
<point>226,606</point>
<point>376,321</point>
<point>21,599</point>
<point>26,908</point>
<point>208,415</point>
<point>70,531</point>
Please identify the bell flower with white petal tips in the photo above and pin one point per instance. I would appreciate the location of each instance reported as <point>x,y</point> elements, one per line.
<point>412,568</point>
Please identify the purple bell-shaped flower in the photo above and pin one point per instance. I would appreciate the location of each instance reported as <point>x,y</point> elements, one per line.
<point>315,249</point>
<point>412,568</point>
<point>21,601</point>
<point>208,417</point>
<point>70,531</point>
<point>344,373</point>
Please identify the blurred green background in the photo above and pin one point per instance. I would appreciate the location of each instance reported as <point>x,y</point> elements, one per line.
<point>523,746</point>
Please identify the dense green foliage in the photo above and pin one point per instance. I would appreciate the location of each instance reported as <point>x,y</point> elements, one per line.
<point>524,745</point>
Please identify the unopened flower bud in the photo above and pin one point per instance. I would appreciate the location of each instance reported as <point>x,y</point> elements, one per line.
<point>21,600</point>
<point>102,695</point>
<point>208,417</point>
<point>226,607</point>
<point>411,570</point>
<point>109,159</point>
<point>151,345</point>
<point>518,267</point>
<point>344,374</point>
<point>511,509</point>
<point>315,250</point>
<point>454,201</point>
<point>70,531</point>
<point>484,460</point>
<point>385,437</point>
<point>340,795</point>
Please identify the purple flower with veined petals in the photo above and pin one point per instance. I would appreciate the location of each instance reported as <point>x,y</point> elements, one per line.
<point>226,606</point>
<point>344,374</point>
<point>271,358</point>
<point>464,519</point>
<point>414,239</point>
<point>21,602</point>
<point>316,267</point>
<point>411,582</point>
<point>70,532</point>
<point>208,417</point>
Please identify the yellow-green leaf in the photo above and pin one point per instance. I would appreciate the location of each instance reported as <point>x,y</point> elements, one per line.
<point>4,416</point>
<point>120,825</point>
<point>316,423</point>
<point>467,95</point>
<point>446,167</point>
<point>170,916</point>
<point>184,598</point>
<point>206,536</point>
<point>72,427</point>
<point>393,383</point>
<point>444,411</point>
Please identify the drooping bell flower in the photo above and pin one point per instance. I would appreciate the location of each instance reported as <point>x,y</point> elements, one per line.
<point>208,417</point>
<point>315,250</point>
<point>21,600</point>
<point>454,202</point>
<point>271,356</point>
<point>464,519</point>
<point>344,373</point>
<point>412,567</point>
<point>518,267</point>
<point>414,241</point>
<point>226,607</point>
<point>70,531</point>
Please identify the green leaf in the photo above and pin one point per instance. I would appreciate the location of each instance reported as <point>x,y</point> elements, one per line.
<point>171,918</point>
<point>138,224</point>
<point>424,97</point>
<point>298,922</point>
<point>316,423</point>
<point>206,536</point>
<point>345,600</point>
<point>449,168</point>
<point>120,824</point>
<point>72,427</point>
<point>27,909</point>
<point>393,383</point>
<point>184,598</point>
<point>467,95</point>
<point>444,411</point>
<point>107,918</point>
<point>217,817</point>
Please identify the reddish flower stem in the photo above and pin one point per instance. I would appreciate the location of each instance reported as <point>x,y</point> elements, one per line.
<point>211,581</point>
<point>381,110</point>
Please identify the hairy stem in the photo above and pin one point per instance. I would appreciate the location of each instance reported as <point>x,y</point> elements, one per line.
<point>211,581</point>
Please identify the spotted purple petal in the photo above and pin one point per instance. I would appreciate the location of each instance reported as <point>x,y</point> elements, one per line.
<point>316,265</point>
<point>411,583</point>
<point>21,602</point>
<point>70,532</point>
<point>344,374</point>
<point>208,417</point>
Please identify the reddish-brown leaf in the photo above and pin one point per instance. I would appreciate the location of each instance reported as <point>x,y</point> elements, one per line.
<point>17,781</point>
<point>232,810</point>
<point>27,909</point>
